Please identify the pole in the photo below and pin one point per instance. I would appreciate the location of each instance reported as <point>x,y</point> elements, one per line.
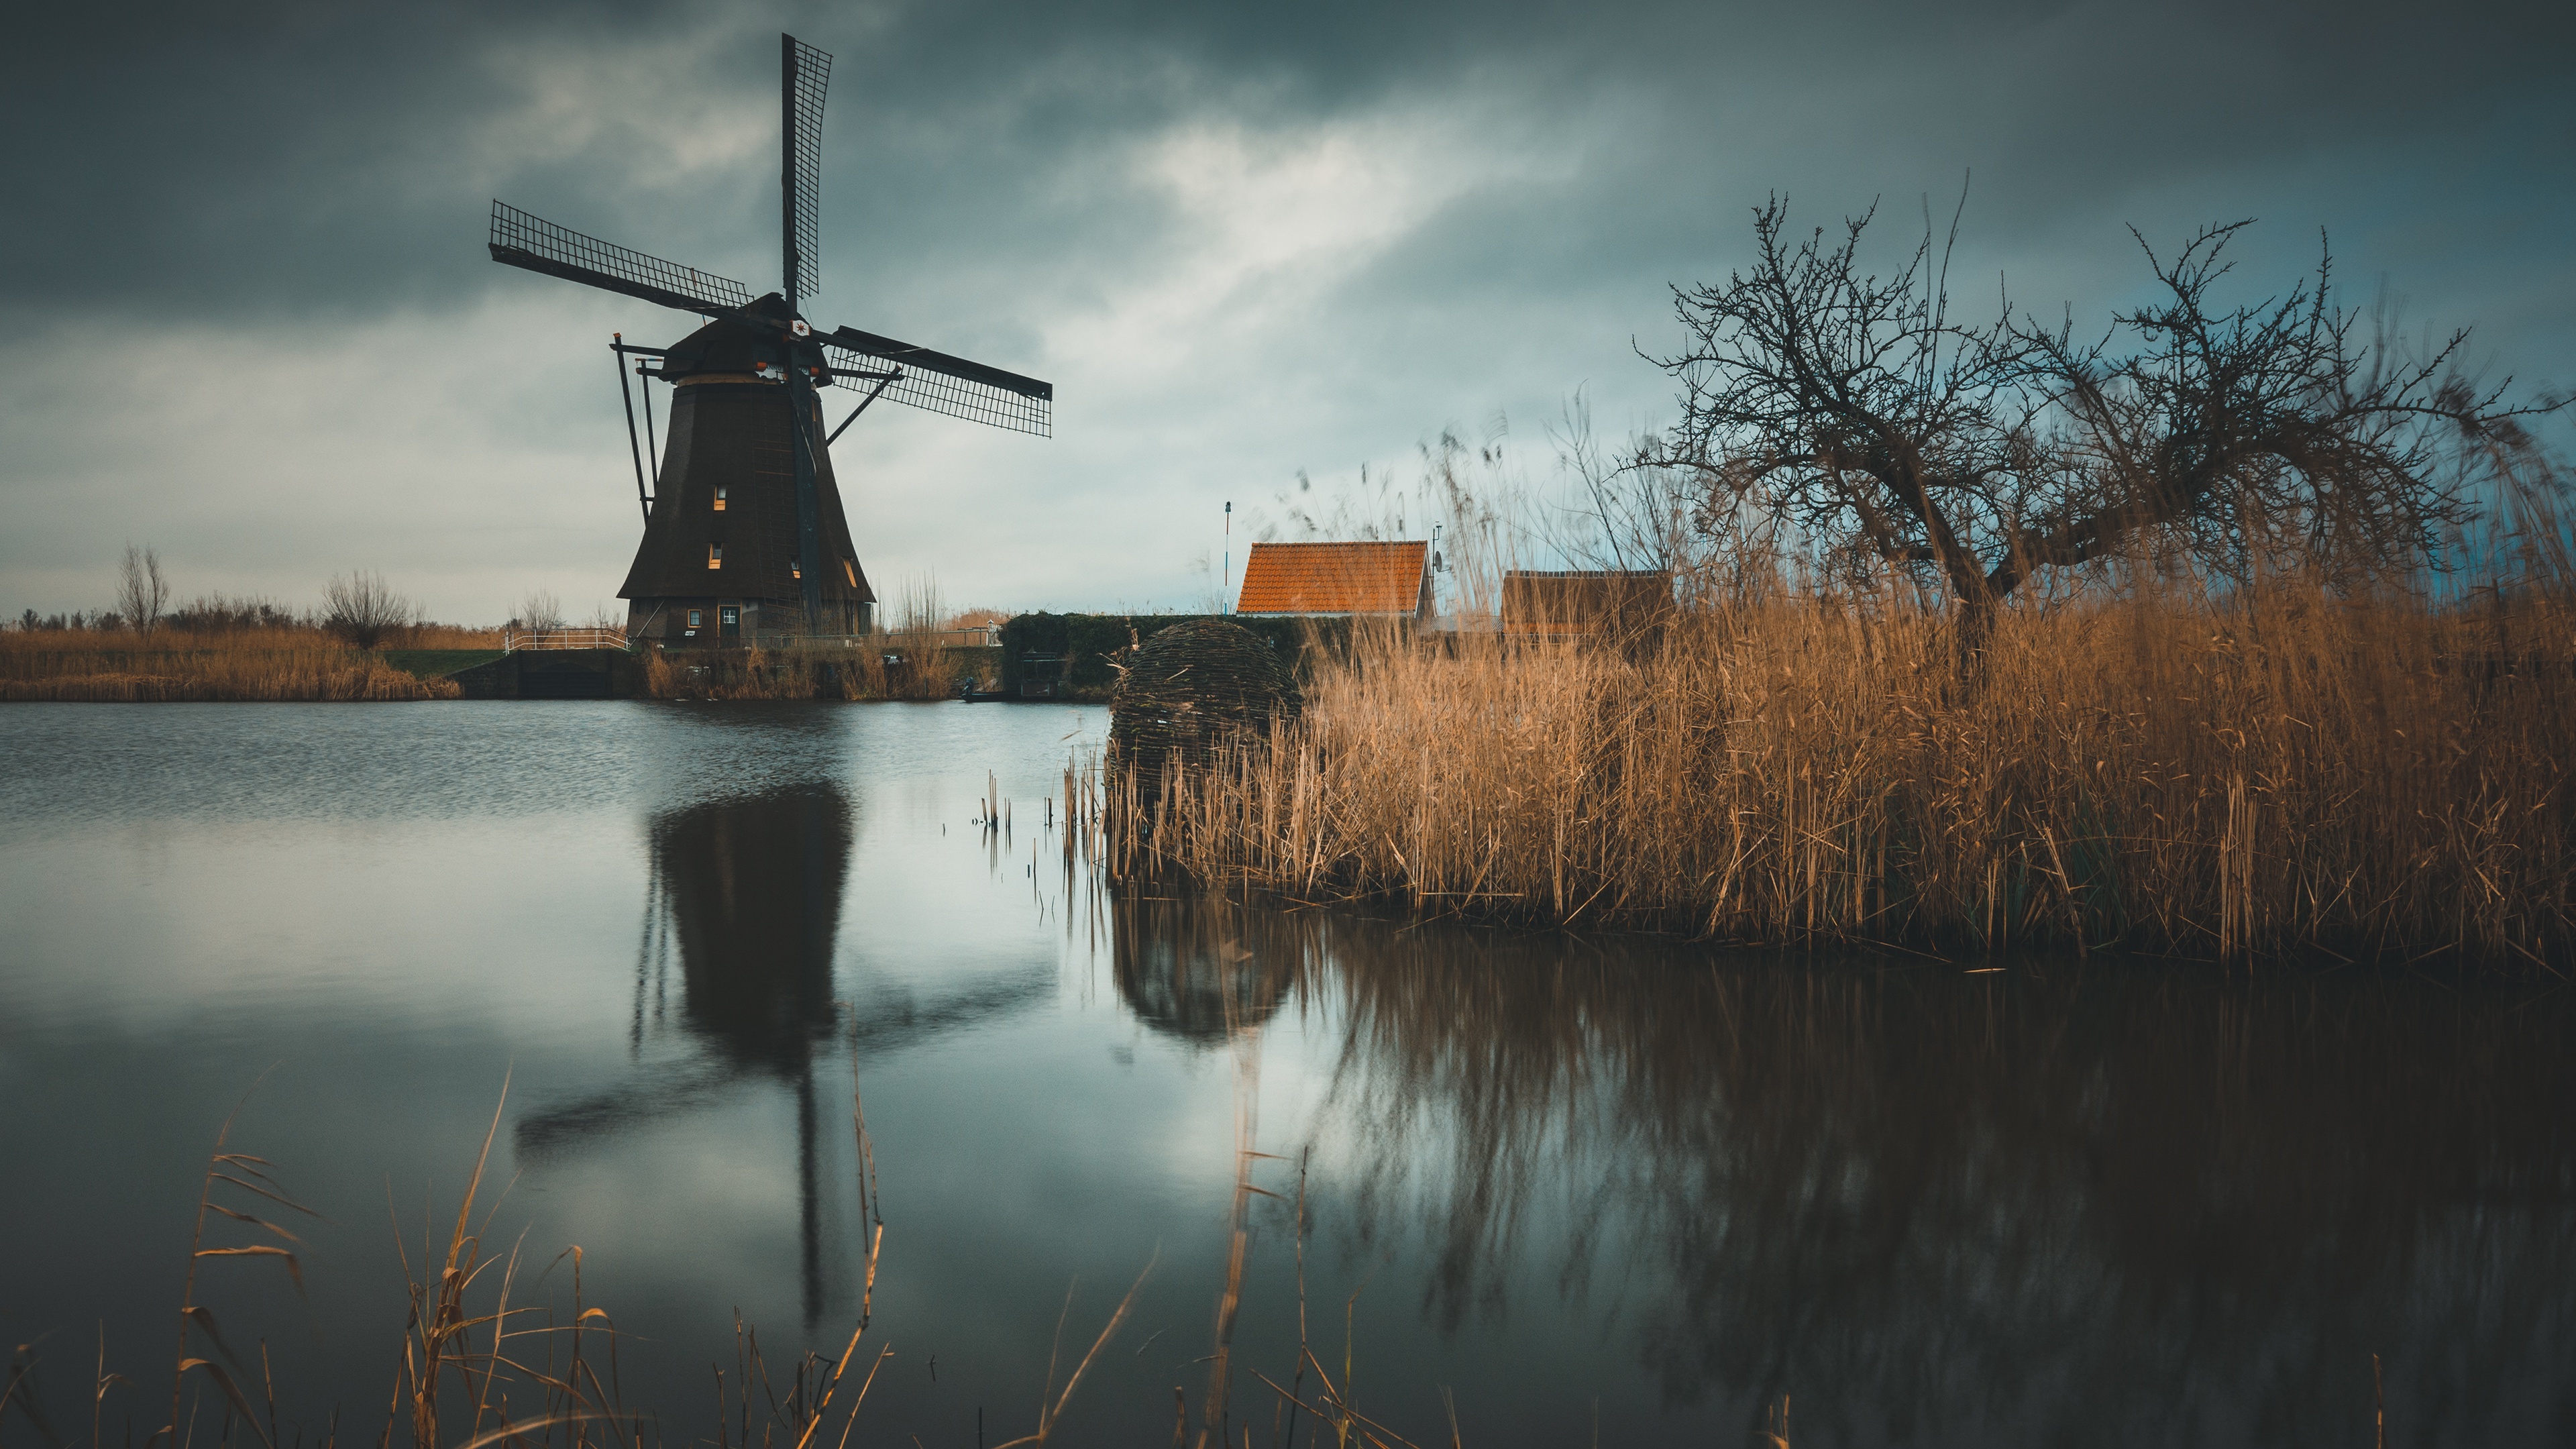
<point>1227,584</point>
<point>617,351</point>
<point>882,384</point>
<point>800,442</point>
<point>652,457</point>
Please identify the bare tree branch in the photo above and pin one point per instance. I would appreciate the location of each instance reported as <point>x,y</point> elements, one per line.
<point>142,594</point>
<point>1854,411</point>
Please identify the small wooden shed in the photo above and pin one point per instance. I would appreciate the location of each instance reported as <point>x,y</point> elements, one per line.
<point>1584,603</point>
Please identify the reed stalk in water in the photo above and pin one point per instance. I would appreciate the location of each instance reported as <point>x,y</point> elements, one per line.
<point>468,1346</point>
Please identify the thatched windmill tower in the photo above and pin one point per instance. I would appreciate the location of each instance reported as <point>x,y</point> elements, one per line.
<point>745,537</point>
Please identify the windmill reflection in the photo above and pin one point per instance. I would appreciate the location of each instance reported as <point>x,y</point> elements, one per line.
<point>746,892</point>
<point>750,891</point>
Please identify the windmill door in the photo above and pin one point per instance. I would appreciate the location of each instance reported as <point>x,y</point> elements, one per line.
<point>729,617</point>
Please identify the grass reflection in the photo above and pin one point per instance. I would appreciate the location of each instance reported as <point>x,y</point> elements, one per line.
<point>2122,1205</point>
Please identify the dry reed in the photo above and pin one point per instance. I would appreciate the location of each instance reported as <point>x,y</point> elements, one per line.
<point>289,663</point>
<point>2276,771</point>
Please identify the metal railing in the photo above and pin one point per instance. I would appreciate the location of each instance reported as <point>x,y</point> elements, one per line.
<point>513,640</point>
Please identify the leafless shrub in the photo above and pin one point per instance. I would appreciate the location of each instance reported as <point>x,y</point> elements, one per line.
<point>362,608</point>
<point>541,611</point>
<point>141,592</point>
<point>226,613</point>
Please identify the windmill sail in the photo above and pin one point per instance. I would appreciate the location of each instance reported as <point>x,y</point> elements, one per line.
<point>806,72</point>
<point>539,245</point>
<point>940,383</point>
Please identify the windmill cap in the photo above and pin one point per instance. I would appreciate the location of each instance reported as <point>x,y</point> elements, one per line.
<point>731,345</point>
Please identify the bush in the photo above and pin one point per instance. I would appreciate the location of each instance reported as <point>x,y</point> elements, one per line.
<point>361,608</point>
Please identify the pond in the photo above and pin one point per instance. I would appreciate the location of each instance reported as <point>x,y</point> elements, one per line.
<point>1581,1188</point>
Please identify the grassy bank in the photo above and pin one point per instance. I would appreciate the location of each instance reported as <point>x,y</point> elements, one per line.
<point>293,662</point>
<point>438,663</point>
<point>300,663</point>
<point>2281,771</point>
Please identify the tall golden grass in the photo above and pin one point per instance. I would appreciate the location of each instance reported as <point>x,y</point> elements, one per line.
<point>2275,770</point>
<point>283,663</point>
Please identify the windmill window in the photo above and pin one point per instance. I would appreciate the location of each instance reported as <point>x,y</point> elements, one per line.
<point>697,618</point>
<point>715,555</point>
<point>720,498</point>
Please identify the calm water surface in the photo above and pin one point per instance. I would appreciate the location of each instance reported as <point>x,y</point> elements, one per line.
<point>1587,1186</point>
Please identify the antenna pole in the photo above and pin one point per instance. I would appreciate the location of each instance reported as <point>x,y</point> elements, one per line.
<point>1225,587</point>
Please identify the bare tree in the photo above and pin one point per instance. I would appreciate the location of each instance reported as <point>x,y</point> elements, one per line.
<point>141,592</point>
<point>541,611</point>
<point>360,607</point>
<point>1857,412</point>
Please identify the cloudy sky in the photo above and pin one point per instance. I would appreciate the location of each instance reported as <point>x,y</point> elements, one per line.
<point>246,314</point>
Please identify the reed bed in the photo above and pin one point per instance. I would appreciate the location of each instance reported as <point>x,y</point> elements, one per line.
<point>2280,771</point>
<point>284,663</point>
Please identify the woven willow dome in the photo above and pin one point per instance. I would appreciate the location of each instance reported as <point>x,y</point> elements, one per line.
<point>1191,687</point>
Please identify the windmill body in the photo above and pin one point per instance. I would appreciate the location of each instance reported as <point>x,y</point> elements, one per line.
<point>721,559</point>
<point>745,537</point>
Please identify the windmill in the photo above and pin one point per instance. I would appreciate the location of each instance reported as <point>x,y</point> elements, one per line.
<point>744,532</point>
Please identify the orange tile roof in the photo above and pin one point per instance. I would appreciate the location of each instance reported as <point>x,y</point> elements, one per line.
<point>1332,578</point>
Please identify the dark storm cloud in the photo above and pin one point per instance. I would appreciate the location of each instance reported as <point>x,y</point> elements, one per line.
<point>1243,239</point>
<point>215,160</point>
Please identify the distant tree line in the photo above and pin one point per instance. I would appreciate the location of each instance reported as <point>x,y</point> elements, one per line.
<point>358,606</point>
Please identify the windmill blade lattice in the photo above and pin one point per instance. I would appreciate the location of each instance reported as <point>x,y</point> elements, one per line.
<point>523,240</point>
<point>808,73</point>
<point>940,383</point>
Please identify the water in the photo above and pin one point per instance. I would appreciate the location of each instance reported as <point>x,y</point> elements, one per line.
<point>1585,1186</point>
